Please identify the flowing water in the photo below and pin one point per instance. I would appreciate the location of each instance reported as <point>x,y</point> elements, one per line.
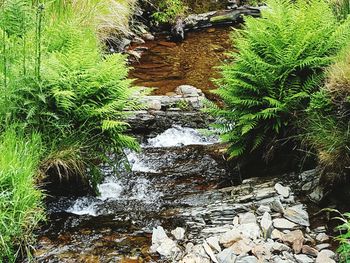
<point>172,171</point>
<point>166,65</point>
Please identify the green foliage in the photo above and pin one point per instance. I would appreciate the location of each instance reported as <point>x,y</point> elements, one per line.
<point>168,10</point>
<point>55,81</point>
<point>279,64</point>
<point>341,8</point>
<point>20,200</point>
<point>328,122</point>
<point>344,238</point>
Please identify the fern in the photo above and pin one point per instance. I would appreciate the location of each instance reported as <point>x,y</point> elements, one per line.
<point>279,65</point>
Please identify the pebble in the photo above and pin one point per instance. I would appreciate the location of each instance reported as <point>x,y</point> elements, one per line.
<point>178,233</point>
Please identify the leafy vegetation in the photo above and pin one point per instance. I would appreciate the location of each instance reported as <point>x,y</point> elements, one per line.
<point>344,238</point>
<point>168,10</point>
<point>328,120</point>
<point>20,200</point>
<point>68,98</point>
<point>279,65</point>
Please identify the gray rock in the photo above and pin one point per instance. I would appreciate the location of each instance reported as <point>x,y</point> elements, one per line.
<point>226,256</point>
<point>247,218</point>
<point>325,256</point>
<point>158,235</point>
<point>246,259</point>
<point>266,224</point>
<point>279,247</point>
<point>282,223</point>
<point>154,105</point>
<point>262,209</point>
<point>297,215</point>
<point>276,234</point>
<point>168,248</point>
<point>282,190</point>
<point>317,194</point>
<point>230,237</point>
<point>209,252</point>
<point>307,250</point>
<point>250,230</point>
<point>322,237</point>
<point>277,206</point>
<point>178,233</point>
<point>213,242</point>
<point>322,246</point>
<point>301,258</point>
<point>187,90</point>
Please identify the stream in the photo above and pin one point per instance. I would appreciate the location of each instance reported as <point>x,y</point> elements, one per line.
<point>176,166</point>
<point>180,178</point>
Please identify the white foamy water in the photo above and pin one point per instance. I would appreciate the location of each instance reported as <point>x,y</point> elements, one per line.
<point>180,136</point>
<point>114,189</point>
<point>137,163</point>
<point>83,206</point>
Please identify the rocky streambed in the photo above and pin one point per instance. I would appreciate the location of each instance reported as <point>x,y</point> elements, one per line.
<point>183,201</point>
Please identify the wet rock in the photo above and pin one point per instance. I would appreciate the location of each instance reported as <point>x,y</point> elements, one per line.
<point>266,224</point>
<point>158,235</point>
<point>301,258</point>
<point>210,252</point>
<point>247,218</point>
<point>307,250</point>
<point>213,242</point>
<point>277,206</point>
<point>282,190</point>
<point>297,215</point>
<point>296,239</point>
<point>178,233</point>
<point>246,259</point>
<point>230,237</point>
<point>325,256</point>
<point>322,237</point>
<point>226,256</point>
<point>282,223</point>
<point>162,244</point>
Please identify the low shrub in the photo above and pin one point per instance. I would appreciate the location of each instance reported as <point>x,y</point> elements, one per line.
<point>279,65</point>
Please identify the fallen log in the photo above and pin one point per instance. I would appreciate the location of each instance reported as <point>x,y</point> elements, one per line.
<point>196,21</point>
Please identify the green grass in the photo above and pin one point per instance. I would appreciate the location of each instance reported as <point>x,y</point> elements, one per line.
<point>20,200</point>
